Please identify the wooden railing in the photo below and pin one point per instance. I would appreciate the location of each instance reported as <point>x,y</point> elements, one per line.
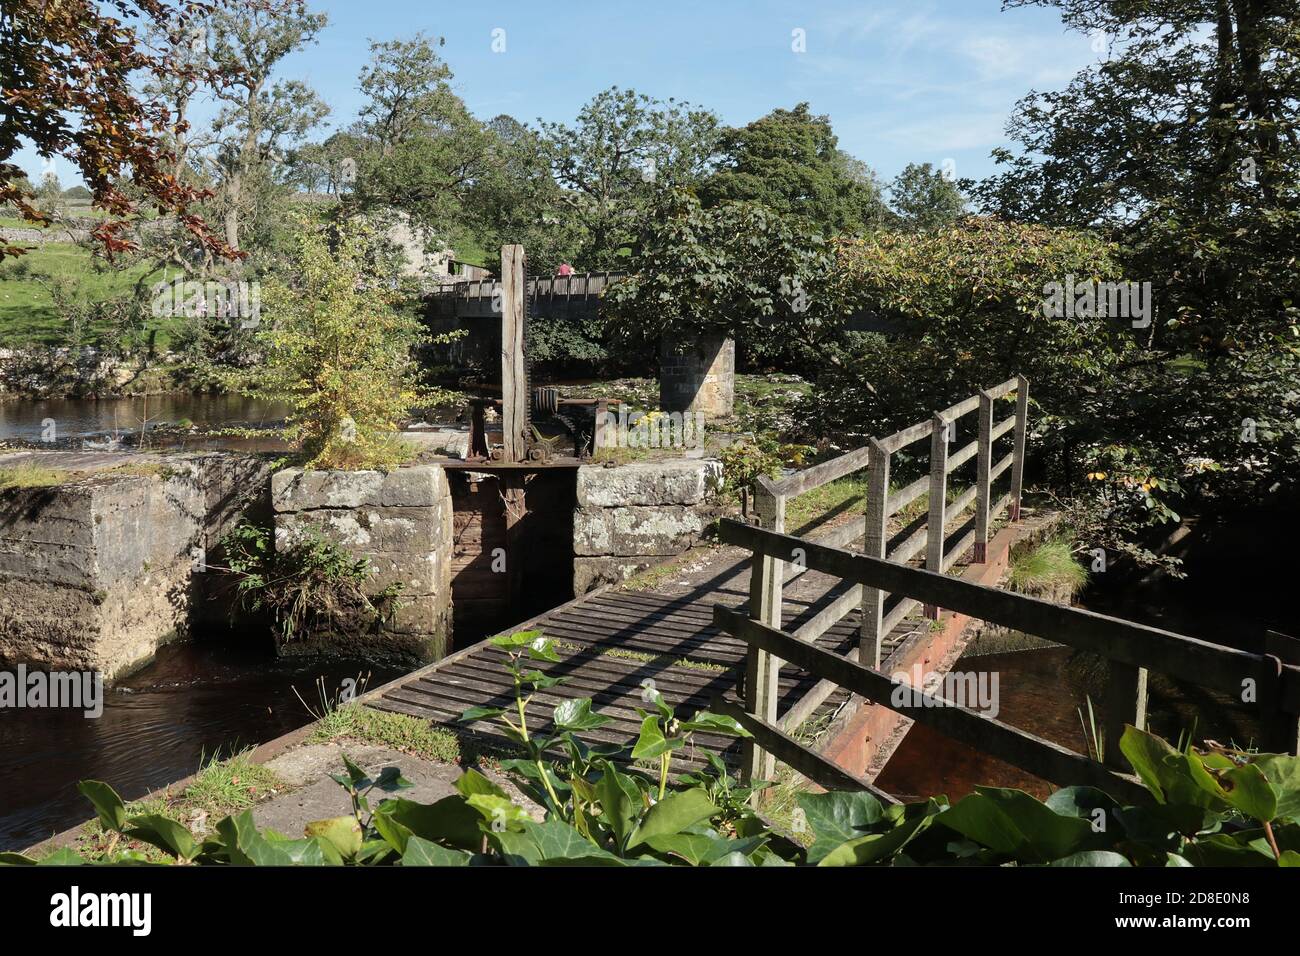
<point>1271,680</point>
<point>919,537</point>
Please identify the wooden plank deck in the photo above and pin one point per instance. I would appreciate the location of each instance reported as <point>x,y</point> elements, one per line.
<point>610,644</point>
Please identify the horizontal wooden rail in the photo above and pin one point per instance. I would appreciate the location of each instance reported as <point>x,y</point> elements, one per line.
<point>1002,428</point>
<point>818,475</point>
<point>907,436</point>
<point>808,762</point>
<point>901,499</point>
<point>1017,747</point>
<point>1187,658</point>
<point>963,456</point>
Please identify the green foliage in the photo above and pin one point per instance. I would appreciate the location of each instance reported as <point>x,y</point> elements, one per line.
<point>743,463</point>
<point>623,149</point>
<point>924,198</point>
<point>789,162</point>
<point>1182,143</point>
<point>737,270</point>
<point>311,586</point>
<point>339,351</point>
<point>1213,807</point>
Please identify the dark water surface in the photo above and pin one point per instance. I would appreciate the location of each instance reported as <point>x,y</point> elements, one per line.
<point>25,419</point>
<point>194,701</point>
<point>1238,584</point>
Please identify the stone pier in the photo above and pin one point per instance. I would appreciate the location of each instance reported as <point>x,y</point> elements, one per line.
<point>401,522</point>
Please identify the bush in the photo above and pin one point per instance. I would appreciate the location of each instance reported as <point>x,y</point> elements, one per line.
<point>312,587</point>
<point>340,351</point>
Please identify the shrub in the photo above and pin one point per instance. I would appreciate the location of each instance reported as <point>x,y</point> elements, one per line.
<point>313,586</point>
<point>340,351</point>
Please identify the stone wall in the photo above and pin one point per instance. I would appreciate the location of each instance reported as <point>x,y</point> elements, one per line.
<point>698,376</point>
<point>402,523</point>
<point>96,574</point>
<point>631,517</point>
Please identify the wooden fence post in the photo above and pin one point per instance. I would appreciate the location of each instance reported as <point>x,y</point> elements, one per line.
<point>1018,462</point>
<point>1125,703</point>
<point>1279,730</point>
<point>767,579</point>
<point>874,545</point>
<point>514,379</point>
<point>935,524</point>
<point>983,483</point>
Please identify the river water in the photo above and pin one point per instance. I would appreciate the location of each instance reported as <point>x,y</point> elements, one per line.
<point>1238,584</point>
<point>73,418</point>
<point>194,701</point>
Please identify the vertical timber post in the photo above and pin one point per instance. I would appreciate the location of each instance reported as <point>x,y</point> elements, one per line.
<point>983,482</point>
<point>1018,462</point>
<point>934,529</point>
<point>514,381</point>
<point>874,543</point>
<point>1126,703</point>
<point>767,580</point>
<point>1279,730</point>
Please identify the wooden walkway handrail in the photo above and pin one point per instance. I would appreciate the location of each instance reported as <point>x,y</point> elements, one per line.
<point>1188,658</point>
<point>1017,747</point>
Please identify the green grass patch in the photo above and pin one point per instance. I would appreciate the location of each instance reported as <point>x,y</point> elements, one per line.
<point>1048,568</point>
<point>32,476</point>
<point>220,788</point>
<point>847,495</point>
<point>408,734</point>
<point>27,312</point>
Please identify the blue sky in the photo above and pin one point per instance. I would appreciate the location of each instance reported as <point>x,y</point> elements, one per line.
<point>902,82</point>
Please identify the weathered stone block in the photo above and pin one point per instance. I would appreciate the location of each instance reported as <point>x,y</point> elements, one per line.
<point>294,489</point>
<point>676,482</point>
<point>633,531</point>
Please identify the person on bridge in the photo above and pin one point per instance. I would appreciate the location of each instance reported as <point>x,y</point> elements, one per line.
<point>564,270</point>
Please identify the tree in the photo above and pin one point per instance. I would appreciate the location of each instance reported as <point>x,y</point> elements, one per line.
<point>1184,145</point>
<point>259,118</point>
<point>515,198</point>
<point>790,161</point>
<point>623,148</point>
<point>340,351</point>
<point>736,270</point>
<point>924,198</point>
<point>68,73</point>
<point>426,149</point>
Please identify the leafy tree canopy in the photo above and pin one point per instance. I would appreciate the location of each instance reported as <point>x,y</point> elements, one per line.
<point>790,161</point>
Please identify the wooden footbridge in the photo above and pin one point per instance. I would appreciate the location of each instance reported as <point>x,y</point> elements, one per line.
<point>807,629</point>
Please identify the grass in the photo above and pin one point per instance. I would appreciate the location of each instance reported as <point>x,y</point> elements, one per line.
<point>220,788</point>
<point>1049,568</point>
<point>27,312</point>
<point>847,495</point>
<point>32,476</point>
<point>780,801</point>
<point>409,735</point>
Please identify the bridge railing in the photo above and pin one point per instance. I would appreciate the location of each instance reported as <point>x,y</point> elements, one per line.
<point>927,534</point>
<point>1272,677</point>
